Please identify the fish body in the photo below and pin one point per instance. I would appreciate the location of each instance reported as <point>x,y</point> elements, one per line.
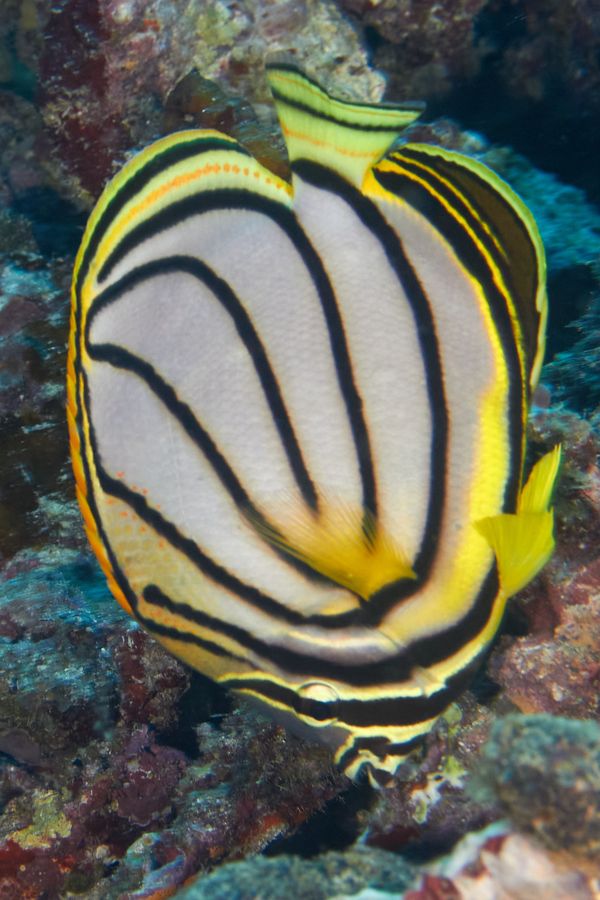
<point>297,414</point>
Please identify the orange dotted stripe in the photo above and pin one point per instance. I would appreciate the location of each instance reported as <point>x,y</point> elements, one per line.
<point>179,181</point>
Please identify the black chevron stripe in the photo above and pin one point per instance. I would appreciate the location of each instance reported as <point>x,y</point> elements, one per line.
<point>245,200</point>
<point>371,218</point>
<point>422,653</point>
<point>248,335</point>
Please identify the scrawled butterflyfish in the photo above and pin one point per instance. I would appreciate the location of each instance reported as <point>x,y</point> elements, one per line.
<point>297,414</point>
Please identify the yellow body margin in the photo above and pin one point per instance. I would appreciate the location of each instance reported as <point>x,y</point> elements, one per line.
<point>504,190</point>
<point>81,489</point>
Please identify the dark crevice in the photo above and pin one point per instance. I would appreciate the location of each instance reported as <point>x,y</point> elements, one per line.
<point>203,700</point>
<point>335,827</point>
<point>559,132</point>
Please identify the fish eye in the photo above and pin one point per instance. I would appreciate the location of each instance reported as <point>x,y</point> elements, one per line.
<point>318,701</point>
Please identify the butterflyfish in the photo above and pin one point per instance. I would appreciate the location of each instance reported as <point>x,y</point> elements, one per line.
<point>297,414</point>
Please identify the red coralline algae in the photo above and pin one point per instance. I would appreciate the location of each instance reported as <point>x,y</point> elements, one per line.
<point>98,77</point>
<point>12,857</point>
<point>151,681</point>
<point>109,67</point>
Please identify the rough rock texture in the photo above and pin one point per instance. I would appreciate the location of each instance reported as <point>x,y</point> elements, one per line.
<point>35,474</point>
<point>287,876</point>
<point>114,774</point>
<point>425,809</point>
<point>110,67</point>
<point>428,46</point>
<point>495,864</point>
<point>432,46</point>
<point>545,772</point>
<point>499,865</point>
<point>524,72</point>
<point>554,666</point>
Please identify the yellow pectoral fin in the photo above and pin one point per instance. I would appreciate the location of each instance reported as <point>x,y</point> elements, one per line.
<point>524,542</point>
<point>535,496</point>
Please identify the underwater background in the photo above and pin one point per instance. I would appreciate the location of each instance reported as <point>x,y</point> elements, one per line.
<point>123,774</point>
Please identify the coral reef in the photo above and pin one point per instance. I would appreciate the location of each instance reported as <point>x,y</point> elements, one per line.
<point>425,809</point>
<point>287,876</point>
<point>96,791</point>
<point>545,772</point>
<point>499,864</point>
<point>35,476</point>
<point>111,68</point>
<point>124,775</point>
<point>427,47</point>
<point>525,72</point>
<point>565,371</point>
<point>494,863</point>
<point>553,667</point>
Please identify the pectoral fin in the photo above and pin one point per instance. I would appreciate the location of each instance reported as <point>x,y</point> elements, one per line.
<point>524,542</point>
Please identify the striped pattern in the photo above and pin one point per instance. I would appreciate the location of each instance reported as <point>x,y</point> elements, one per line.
<point>297,415</point>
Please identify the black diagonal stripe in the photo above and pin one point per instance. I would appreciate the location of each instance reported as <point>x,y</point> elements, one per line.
<point>154,167</point>
<point>239,199</point>
<point>248,335</point>
<point>470,257</point>
<point>386,712</point>
<point>150,170</point>
<point>368,213</point>
<point>522,280</point>
<point>460,199</point>
<point>391,129</point>
<point>188,548</point>
<point>423,653</point>
<point>381,747</point>
<point>120,358</point>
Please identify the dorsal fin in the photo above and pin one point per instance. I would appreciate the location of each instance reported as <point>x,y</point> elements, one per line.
<point>346,137</point>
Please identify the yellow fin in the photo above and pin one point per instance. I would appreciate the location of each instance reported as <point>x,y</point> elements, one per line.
<point>346,137</point>
<point>337,544</point>
<point>524,542</point>
<point>535,496</point>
